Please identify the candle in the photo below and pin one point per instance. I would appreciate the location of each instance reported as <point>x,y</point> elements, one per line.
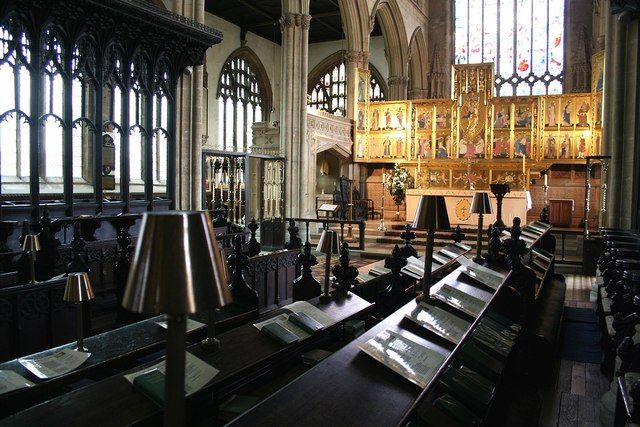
<point>524,171</point>
<point>546,179</point>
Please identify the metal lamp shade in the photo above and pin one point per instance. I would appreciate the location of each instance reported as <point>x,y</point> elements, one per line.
<point>481,204</point>
<point>78,288</point>
<point>328,243</point>
<point>31,243</point>
<point>431,214</point>
<point>177,267</point>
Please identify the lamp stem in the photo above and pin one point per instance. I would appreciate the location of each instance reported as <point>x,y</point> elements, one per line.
<point>174,372</point>
<point>478,257</point>
<point>32,264</point>
<point>428,259</point>
<point>80,326</point>
<point>326,297</point>
<point>211,343</point>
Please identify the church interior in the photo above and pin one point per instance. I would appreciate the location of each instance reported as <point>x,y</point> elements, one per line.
<point>320,212</point>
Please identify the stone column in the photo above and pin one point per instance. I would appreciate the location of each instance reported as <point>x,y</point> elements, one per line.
<point>615,95</point>
<point>354,60</point>
<point>197,128</point>
<point>300,189</point>
<point>397,87</point>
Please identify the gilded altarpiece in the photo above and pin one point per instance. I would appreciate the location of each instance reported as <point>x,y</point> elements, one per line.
<point>475,139</point>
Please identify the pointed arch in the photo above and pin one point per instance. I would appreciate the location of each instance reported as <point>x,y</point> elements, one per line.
<point>418,63</point>
<point>391,22</point>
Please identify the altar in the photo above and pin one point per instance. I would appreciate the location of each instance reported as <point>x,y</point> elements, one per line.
<point>514,204</point>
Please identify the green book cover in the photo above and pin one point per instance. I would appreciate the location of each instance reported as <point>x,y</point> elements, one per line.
<point>481,361</point>
<point>305,322</point>
<point>151,384</point>
<point>280,333</point>
<point>467,390</point>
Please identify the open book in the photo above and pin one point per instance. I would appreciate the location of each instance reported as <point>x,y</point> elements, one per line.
<point>439,321</point>
<point>299,321</point>
<point>460,300</point>
<point>413,361</point>
<point>482,274</point>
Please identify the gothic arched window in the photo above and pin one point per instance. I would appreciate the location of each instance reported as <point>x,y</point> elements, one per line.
<point>523,38</point>
<point>329,93</point>
<point>242,101</point>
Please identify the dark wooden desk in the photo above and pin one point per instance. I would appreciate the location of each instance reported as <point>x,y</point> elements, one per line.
<point>244,355</point>
<point>560,212</point>
<point>349,388</point>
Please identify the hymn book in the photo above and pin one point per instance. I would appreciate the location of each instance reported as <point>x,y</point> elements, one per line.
<point>10,381</point>
<point>460,300</point>
<point>299,322</point>
<point>56,364</point>
<point>439,321</point>
<point>413,361</point>
<point>150,381</point>
<point>482,274</point>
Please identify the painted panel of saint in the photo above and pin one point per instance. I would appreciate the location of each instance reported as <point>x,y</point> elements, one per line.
<point>501,143</point>
<point>424,148</point>
<point>424,118</point>
<point>501,116</point>
<point>551,113</point>
<point>565,113</point>
<point>522,145</point>
<point>523,116</point>
<point>443,146</point>
<point>583,106</point>
<point>550,147</point>
<point>565,146</point>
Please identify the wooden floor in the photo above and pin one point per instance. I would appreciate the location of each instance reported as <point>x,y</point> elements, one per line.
<point>572,399</point>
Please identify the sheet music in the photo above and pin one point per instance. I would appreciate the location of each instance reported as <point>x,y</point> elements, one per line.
<point>56,364</point>
<point>298,307</point>
<point>413,361</point>
<point>10,381</point>
<point>460,300</point>
<point>197,373</point>
<point>192,325</point>
<point>439,321</point>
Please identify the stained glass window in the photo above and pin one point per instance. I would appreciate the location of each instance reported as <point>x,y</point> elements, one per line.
<point>330,92</point>
<point>523,38</point>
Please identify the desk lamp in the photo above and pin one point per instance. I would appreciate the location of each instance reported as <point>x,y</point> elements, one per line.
<point>175,270</point>
<point>431,214</point>
<point>328,245</point>
<point>480,205</point>
<point>31,245</point>
<point>77,291</point>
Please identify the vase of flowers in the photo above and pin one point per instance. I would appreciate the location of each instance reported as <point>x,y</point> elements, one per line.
<point>398,182</point>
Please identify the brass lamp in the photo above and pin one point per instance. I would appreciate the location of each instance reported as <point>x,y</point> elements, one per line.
<point>480,205</point>
<point>431,214</point>
<point>31,245</point>
<point>176,270</point>
<point>328,245</point>
<point>77,291</point>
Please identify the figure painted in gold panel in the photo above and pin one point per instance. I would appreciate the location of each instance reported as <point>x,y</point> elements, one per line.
<point>501,117</point>
<point>443,120</point>
<point>522,145</point>
<point>442,147</point>
<point>399,147</point>
<point>424,148</point>
<point>360,147</point>
<point>400,118</point>
<point>550,152</point>
<point>386,147</point>
<point>583,114</point>
<point>565,147</point>
<point>566,114</point>
<point>551,114</point>
<point>424,120</point>
<point>375,119</point>
<point>375,148</point>
<point>360,120</point>
<point>500,147</point>
<point>471,149</point>
<point>582,147</point>
<point>523,116</point>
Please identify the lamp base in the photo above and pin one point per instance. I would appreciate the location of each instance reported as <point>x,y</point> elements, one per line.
<point>210,345</point>
<point>479,259</point>
<point>325,298</point>
<point>423,298</point>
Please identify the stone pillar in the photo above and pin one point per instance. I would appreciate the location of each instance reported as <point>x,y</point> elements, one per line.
<point>397,87</point>
<point>197,128</point>
<point>300,187</point>
<point>354,60</point>
<point>615,95</point>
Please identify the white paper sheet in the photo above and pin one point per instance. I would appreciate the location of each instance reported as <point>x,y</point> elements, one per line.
<point>56,364</point>
<point>298,307</point>
<point>458,299</point>
<point>413,361</point>
<point>192,325</point>
<point>10,381</point>
<point>197,373</point>
<point>439,321</point>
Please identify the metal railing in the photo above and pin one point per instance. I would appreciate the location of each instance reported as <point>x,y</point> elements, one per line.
<point>327,222</point>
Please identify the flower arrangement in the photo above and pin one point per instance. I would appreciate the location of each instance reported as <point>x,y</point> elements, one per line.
<point>397,182</point>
